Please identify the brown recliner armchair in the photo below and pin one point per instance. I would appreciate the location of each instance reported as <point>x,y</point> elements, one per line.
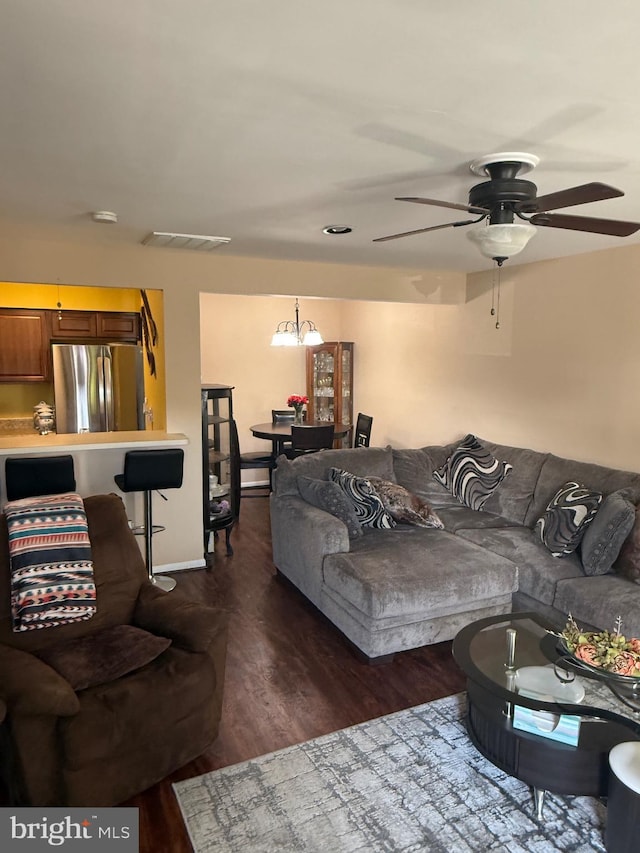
<point>101,745</point>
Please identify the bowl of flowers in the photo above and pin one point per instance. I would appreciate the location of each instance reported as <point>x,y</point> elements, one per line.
<point>608,654</point>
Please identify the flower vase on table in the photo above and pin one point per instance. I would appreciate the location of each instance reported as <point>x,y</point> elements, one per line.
<point>297,402</point>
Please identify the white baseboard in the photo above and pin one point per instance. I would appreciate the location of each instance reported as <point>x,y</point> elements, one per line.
<point>179,567</point>
<point>248,484</point>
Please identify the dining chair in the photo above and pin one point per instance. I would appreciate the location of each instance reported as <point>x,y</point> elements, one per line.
<point>282,416</point>
<point>309,439</point>
<point>261,459</point>
<point>362,434</point>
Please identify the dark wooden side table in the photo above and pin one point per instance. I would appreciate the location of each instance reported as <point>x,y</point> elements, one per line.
<point>480,649</point>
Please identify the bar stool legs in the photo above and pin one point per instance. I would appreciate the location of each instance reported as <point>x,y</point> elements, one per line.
<point>163,581</point>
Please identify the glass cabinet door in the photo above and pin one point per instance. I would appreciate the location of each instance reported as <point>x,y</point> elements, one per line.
<point>220,463</point>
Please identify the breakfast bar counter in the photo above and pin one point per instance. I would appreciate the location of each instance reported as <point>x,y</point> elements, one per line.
<point>97,458</point>
<point>18,445</point>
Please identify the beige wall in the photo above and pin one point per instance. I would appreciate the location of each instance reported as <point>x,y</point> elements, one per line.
<point>182,276</point>
<point>560,375</point>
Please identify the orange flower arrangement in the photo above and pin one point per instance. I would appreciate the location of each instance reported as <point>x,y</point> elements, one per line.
<point>609,650</point>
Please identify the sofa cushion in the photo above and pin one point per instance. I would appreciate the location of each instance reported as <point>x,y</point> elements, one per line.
<point>538,570</point>
<point>515,494</point>
<point>599,600</point>
<point>460,517</point>
<point>104,656</point>
<point>606,534</point>
<point>414,470</point>
<point>124,718</point>
<point>362,461</point>
<point>565,520</point>
<point>403,506</point>
<point>555,471</point>
<point>415,571</point>
<point>368,507</point>
<point>628,562</point>
<point>472,473</point>
<point>327,495</point>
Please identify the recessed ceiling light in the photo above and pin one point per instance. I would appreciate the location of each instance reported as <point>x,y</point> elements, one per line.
<point>337,229</point>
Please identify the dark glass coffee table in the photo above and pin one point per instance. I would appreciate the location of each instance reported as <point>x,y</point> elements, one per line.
<point>481,649</point>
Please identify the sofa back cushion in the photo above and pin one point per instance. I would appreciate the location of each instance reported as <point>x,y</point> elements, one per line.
<point>414,470</point>
<point>556,471</point>
<point>362,461</point>
<point>513,497</point>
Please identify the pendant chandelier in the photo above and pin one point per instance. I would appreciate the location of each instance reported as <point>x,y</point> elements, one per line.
<point>295,333</point>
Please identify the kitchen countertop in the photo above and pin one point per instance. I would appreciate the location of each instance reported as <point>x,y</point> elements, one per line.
<point>13,444</point>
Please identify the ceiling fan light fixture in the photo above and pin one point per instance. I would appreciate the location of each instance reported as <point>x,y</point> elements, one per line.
<point>502,240</point>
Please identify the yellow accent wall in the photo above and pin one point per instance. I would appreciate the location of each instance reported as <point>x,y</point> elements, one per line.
<point>17,400</point>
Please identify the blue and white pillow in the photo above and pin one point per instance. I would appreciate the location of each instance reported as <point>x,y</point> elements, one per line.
<point>566,518</point>
<point>368,507</point>
<point>472,473</point>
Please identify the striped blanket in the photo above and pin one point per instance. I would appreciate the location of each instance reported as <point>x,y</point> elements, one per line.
<point>51,569</point>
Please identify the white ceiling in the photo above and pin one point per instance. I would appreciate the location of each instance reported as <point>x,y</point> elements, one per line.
<point>265,121</point>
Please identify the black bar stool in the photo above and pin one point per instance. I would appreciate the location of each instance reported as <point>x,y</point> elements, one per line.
<point>30,476</point>
<point>147,471</point>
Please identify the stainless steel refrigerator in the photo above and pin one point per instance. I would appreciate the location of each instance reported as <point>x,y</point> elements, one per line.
<point>98,388</point>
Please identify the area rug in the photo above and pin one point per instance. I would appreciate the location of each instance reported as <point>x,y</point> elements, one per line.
<point>410,781</point>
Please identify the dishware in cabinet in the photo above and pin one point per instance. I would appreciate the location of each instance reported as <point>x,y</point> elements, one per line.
<point>330,385</point>
<point>220,465</point>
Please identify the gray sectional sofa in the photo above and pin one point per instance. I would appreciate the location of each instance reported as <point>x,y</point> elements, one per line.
<point>392,590</point>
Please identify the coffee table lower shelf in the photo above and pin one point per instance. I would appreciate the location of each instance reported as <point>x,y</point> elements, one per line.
<point>544,764</point>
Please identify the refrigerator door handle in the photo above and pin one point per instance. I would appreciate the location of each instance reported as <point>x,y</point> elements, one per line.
<point>105,393</point>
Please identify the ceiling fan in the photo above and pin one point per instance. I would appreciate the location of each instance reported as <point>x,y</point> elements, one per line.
<point>505,197</point>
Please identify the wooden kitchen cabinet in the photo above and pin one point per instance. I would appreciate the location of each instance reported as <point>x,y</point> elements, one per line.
<point>24,345</point>
<point>105,326</point>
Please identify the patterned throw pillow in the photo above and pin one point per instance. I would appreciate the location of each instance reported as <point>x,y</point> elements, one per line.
<point>607,533</point>
<point>368,506</point>
<point>472,473</point>
<point>328,496</point>
<point>566,518</point>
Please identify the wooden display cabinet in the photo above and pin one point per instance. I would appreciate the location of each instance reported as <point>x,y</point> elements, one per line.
<point>330,385</point>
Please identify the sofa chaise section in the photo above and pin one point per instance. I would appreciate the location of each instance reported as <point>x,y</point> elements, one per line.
<point>408,587</point>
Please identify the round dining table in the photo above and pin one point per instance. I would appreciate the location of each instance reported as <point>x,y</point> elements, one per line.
<point>280,434</point>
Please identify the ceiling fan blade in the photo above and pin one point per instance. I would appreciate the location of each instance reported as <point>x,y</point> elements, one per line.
<point>575,195</point>
<point>450,204</point>
<point>614,227</point>
<point>424,230</point>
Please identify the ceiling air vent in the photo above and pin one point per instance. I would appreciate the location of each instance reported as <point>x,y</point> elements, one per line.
<point>197,242</point>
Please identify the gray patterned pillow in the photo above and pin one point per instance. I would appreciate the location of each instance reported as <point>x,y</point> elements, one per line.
<point>326,495</point>
<point>606,534</point>
<point>472,473</point>
<point>566,517</point>
<point>366,503</point>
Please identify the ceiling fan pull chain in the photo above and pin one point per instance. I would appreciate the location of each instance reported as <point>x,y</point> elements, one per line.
<point>493,293</point>
<point>499,273</point>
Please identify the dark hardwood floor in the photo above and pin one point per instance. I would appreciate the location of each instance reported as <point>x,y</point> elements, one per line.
<point>291,676</point>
